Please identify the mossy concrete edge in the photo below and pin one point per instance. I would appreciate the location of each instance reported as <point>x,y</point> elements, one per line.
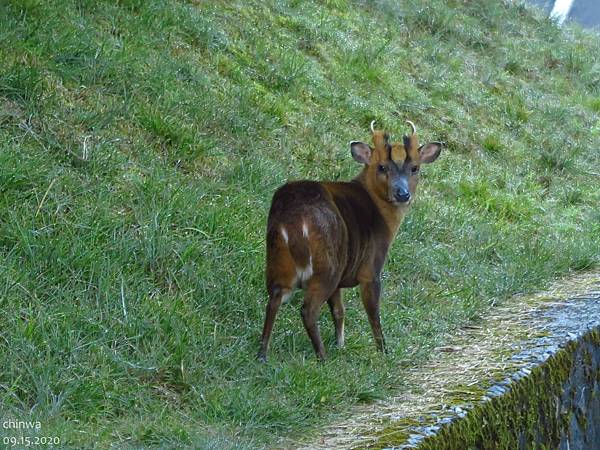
<point>554,406</point>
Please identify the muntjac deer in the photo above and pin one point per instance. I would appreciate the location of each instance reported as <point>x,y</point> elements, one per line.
<point>325,236</point>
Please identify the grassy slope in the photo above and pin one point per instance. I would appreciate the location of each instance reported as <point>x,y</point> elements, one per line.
<point>140,142</point>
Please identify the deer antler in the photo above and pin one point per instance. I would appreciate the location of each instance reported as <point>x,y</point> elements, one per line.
<point>414,129</point>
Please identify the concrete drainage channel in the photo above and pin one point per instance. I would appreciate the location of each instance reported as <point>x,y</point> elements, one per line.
<point>526,377</point>
<point>553,402</point>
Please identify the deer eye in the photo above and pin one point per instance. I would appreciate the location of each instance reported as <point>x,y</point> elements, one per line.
<point>414,169</point>
<point>381,168</point>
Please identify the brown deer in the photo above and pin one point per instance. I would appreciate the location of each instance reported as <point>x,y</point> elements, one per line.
<point>325,236</point>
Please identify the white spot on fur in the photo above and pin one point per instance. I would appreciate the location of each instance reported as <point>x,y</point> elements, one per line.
<point>304,230</point>
<point>285,298</point>
<point>284,234</point>
<point>305,273</point>
<point>340,336</point>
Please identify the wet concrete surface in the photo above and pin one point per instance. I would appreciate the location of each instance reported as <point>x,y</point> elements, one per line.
<point>584,12</point>
<point>565,322</point>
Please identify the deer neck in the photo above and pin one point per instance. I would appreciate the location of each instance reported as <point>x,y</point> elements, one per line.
<point>392,214</point>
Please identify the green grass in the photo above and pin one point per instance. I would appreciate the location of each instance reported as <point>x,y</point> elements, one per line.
<point>140,144</point>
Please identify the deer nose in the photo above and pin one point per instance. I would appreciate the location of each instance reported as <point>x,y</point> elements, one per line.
<point>402,195</point>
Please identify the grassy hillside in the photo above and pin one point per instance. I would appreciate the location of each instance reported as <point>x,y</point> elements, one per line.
<point>140,144</point>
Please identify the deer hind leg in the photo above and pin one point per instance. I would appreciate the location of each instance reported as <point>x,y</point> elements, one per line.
<point>276,297</point>
<point>313,300</point>
<point>336,306</point>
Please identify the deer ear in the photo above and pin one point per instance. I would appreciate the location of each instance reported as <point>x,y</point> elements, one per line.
<point>361,152</point>
<point>430,152</point>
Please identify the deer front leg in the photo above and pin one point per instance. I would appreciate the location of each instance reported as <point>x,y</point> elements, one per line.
<point>370,292</point>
